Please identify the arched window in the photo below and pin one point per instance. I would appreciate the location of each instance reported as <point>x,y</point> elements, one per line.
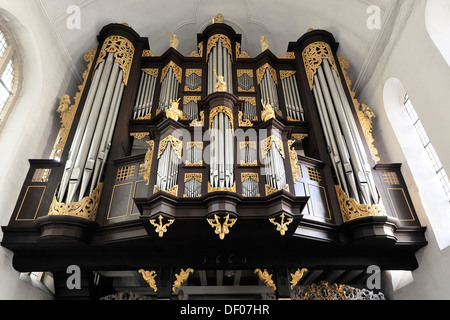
<point>9,73</point>
<point>437,165</point>
<point>437,19</point>
<point>420,162</point>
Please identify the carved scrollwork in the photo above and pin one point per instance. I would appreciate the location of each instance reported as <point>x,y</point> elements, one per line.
<point>313,56</point>
<point>212,42</point>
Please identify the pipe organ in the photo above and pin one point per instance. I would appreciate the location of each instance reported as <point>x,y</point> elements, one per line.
<point>210,155</point>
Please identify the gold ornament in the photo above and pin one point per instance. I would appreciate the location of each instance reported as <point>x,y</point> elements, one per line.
<point>267,278</point>
<point>297,276</point>
<point>181,278</point>
<point>313,56</point>
<point>222,229</point>
<point>283,226</point>
<point>160,227</point>
<point>149,277</point>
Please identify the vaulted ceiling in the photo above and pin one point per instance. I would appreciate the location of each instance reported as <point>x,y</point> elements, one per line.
<point>280,21</point>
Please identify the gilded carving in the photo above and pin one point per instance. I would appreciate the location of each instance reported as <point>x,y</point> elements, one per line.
<point>151,72</point>
<point>262,70</point>
<point>123,51</point>
<point>282,227</point>
<point>222,229</point>
<point>181,278</point>
<point>365,114</point>
<point>173,112</point>
<point>266,278</point>
<point>286,74</point>
<point>139,135</point>
<point>173,191</point>
<point>352,210</point>
<point>177,71</point>
<point>86,208</point>
<point>212,42</point>
<point>297,276</point>
<point>264,44</point>
<point>313,56</point>
<point>268,112</point>
<point>244,122</point>
<point>149,277</point>
<point>160,227</point>
<point>177,146</point>
<point>148,161</point>
<point>147,53</point>
<point>211,189</point>
<point>241,54</point>
<point>200,121</point>
<point>221,109</point>
<point>173,40</point>
<point>221,85</point>
<point>67,113</point>
<point>198,54</point>
<point>289,55</point>
<point>190,176</point>
<point>296,169</point>
<point>217,19</point>
<point>266,144</point>
<point>249,175</point>
<point>245,144</point>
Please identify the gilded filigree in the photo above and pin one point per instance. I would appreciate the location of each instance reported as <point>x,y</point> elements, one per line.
<point>86,208</point>
<point>177,71</point>
<point>352,210</point>
<point>67,113</point>
<point>211,189</point>
<point>295,167</point>
<point>139,135</point>
<point>297,276</point>
<point>199,121</point>
<point>160,227</point>
<point>221,109</point>
<point>173,191</point>
<point>123,51</point>
<point>244,122</point>
<point>266,278</point>
<point>282,227</point>
<point>249,175</point>
<point>313,56</point>
<point>149,277</point>
<point>176,144</point>
<point>192,175</point>
<point>245,144</point>
<point>181,278</point>
<point>199,53</point>
<point>266,145</point>
<point>148,161</point>
<point>286,74</point>
<point>222,229</point>
<point>288,55</point>
<point>262,70</point>
<point>151,72</point>
<point>364,113</point>
<point>212,42</point>
<point>241,54</point>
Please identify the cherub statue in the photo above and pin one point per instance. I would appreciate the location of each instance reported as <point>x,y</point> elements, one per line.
<point>221,85</point>
<point>64,104</point>
<point>264,44</point>
<point>173,40</point>
<point>173,112</point>
<point>268,112</point>
<point>217,19</point>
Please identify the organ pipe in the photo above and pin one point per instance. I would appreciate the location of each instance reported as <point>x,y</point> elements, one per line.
<point>219,59</point>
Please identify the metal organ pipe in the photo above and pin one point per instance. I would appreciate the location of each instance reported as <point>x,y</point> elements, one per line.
<point>221,152</point>
<point>220,60</point>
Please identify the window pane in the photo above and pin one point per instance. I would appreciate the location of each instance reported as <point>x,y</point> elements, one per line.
<point>2,44</point>
<point>8,76</point>
<point>4,95</point>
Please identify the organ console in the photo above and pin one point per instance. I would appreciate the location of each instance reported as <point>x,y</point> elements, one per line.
<point>274,153</point>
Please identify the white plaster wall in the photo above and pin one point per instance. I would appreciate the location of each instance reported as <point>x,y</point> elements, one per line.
<point>32,124</point>
<point>412,57</point>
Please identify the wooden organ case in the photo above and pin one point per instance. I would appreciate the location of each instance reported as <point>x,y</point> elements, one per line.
<point>215,161</point>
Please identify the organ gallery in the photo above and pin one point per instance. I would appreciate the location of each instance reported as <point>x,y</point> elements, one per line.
<point>174,173</point>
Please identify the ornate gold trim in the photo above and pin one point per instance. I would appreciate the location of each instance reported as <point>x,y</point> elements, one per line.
<point>270,190</point>
<point>177,71</point>
<point>147,53</point>
<point>300,136</point>
<point>244,122</point>
<point>160,227</point>
<point>199,53</point>
<point>200,121</point>
<point>212,42</point>
<point>267,278</point>
<point>187,99</point>
<point>266,144</point>
<point>352,210</point>
<point>313,56</point>
<point>283,226</point>
<point>295,168</point>
<point>123,51</point>
<point>148,161</point>
<point>249,175</point>
<point>262,70</point>
<point>192,144</point>
<point>211,189</point>
<point>222,229</point>
<point>365,114</point>
<point>325,291</point>
<point>181,278</point>
<point>67,113</point>
<point>86,208</point>
<point>190,176</point>
<point>221,109</point>
<point>241,72</point>
<point>173,191</point>
<point>151,72</point>
<point>149,277</point>
<point>284,74</point>
<point>241,54</point>
<point>297,276</point>
<point>177,146</point>
<point>146,117</point>
<point>288,55</point>
<point>244,144</point>
<point>139,135</point>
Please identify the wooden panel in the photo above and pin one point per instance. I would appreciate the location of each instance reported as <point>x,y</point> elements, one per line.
<point>400,203</point>
<point>30,203</point>
<point>140,191</point>
<point>319,202</point>
<point>120,200</point>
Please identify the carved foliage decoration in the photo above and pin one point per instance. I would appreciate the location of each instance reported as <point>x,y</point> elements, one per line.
<point>181,278</point>
<point>148,161</point>
<point>262,70</point>
<point>177,146</point>
<point>364,113</point>
<point>352,210</point>
<point>67,113</point>
<point>123,51</point>
<point>149,277</point>
<point>176,70</point>
<point>313,56</point>
<point>212,42</point>
<point>86,208</point>
<point>221,109</point>
<point>266,144</point>
<point>266,278</point>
